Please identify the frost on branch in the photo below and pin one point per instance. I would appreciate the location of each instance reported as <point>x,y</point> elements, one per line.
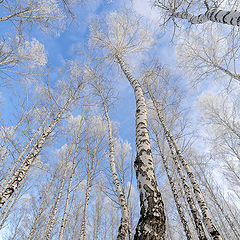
<point>34,52</point>
<point>204,53</point>
<point>75,122</point>
<point>125,34</point>
<point>48,14</point>
<point>97,126</point>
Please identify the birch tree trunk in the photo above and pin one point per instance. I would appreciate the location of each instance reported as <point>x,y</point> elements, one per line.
<point>216,202</point>
<point>206,216</point>
<point>83,234</point>
<point>124,227</point>
<point>151,224</point>
<point>52,216</point>
<point>22,171</point>
<point>8,207</point>
<point>41,209</point>
<point>220,16</point>
<point>64,218</point>
<point>175,194</point>
<point>188,194</point>
<point>2,187</point>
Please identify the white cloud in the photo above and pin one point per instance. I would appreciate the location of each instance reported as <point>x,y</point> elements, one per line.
<point>145,9</point>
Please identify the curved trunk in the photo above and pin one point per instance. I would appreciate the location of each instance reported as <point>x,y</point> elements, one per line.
<point>151,224</point>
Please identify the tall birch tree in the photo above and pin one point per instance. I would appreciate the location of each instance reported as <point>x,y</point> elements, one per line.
<point>120,35</point>
<point>124,229</point>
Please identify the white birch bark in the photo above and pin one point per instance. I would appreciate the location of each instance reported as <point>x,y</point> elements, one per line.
<point>124,227</point>
<point>92,166</point>
<point>64,218</point>
<point>41,209</point>
<point>151,224</point>
<point>22,171</point>
<point>8,207</point>
<point>187,190</point>
<point>220,16</point>
<point>206,216</point>
<point>216,202</point>
<point>83,234</point>
<point>6,179</point>
<point>175,194</point>
<point>52,216</point>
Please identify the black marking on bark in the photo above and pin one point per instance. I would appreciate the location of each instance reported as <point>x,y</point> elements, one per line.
<point>211,15</point>
<point>225,17</point>
<point>215,17</point>
<point>238,21</point>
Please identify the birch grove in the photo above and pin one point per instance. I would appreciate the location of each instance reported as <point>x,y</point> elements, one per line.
<point>119,120</point>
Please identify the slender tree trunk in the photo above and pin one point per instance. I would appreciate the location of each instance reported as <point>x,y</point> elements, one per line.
<point>52,216</point>
<point>206,217</point>
<point>151,224</point>
<point>22,171</point>
<point>124,227</point>
<point>188,193</point>
<point>41,209</point>
<point>2,187</point>
<point>220,16</point>
<point>215,200</point>
<point>175,194</point>
<point>64,218</point>
<point>83,235</point>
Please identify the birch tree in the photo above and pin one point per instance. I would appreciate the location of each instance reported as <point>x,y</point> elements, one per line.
<point>48,15</point>
<point>76,133</point>
<point>122,36</point>
<point>124,228</point>
<point>95,151</point>
<point>178,158</point>
<point>32,150</point>
<point>209,53</point>
<point>212,11</point>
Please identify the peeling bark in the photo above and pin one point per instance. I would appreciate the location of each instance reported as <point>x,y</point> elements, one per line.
<point>151,224</point>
